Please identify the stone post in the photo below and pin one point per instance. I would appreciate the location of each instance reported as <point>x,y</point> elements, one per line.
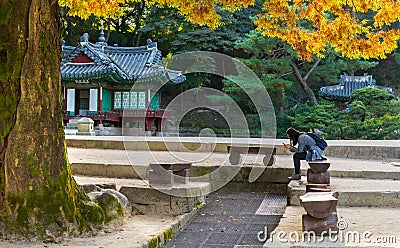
<point>319,202</point>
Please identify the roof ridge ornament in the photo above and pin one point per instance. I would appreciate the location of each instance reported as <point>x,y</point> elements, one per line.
<point>151,44</point>
<point>102,40</point>
<point>84,39</point>
<point>101,37</point>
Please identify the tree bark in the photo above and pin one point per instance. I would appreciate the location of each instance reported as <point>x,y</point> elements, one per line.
<point>38,196</point>
<point>108,29</point>
<point>303,81</point>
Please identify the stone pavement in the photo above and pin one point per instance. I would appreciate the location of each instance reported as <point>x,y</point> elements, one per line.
<point>232,220</point>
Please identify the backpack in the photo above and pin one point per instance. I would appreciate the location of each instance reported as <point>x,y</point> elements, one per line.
<point>320,142</point>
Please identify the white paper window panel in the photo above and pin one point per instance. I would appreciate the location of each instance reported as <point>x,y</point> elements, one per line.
<point>71,100</point>
<point>117,100</point>
<point>134,100</point>
<point>142,100</point>
<point>93,100</point>
<point>125,100</point>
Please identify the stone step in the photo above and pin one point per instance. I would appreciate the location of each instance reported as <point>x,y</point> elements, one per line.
<point>176,200</point>
<point>354,192</point>
<point>275,173</point>
<point>70,131</point>
<point>340,167</point>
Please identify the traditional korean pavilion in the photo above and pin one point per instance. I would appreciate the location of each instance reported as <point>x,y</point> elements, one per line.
<point>98,82</point>
<point>347,84</point>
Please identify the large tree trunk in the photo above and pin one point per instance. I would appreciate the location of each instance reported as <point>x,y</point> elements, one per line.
<point>38,197</point>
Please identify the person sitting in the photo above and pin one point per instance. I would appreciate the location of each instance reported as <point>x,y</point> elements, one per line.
<point>306,150</point>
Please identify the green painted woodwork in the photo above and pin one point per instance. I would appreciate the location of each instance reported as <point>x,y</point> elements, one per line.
<point>154,103</point>
<point>106,101</point>
<point>130,100</point>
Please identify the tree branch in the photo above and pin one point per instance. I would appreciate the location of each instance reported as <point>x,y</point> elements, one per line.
<point>303,84</point>
<point>312,69</point>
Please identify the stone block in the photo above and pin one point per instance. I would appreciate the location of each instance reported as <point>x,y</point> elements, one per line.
<point>180,205</point>
<point>87,169</point>
<point>145,196</point>
<point>319,204</point>
<point>151,209</point>
<point>275,175</point>
<point>319,165</point>
<point>318,178</point>
<point>224,173</point>
<point>320,226</point>
<point>182,176</point>
<point>165,178</point>
<point>317,188</point>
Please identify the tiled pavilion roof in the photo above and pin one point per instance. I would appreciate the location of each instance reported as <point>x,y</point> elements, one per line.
<point>347,84</point>
<point>113,63</point>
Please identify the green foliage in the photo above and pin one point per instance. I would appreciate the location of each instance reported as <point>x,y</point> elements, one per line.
<point>385,127</point>
<point>223,39</point>
<point>377,102</point>
<point>270,62</point>
<point>387,72</point>
<point>373,115</point>
<point>323,117</point>
<point>283,122</point>
<point>358,111</point>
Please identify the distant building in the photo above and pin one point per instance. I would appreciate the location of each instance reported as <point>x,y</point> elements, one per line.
<point>98,81</point>
<point>341,93</point>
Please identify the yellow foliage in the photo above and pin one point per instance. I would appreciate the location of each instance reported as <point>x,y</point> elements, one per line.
<point>321,24</point>
<point>203,12</point>
<point>99,8</point>
<point>311,27</point>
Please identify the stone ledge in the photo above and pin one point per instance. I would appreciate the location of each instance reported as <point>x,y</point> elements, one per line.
<point>175,201</point>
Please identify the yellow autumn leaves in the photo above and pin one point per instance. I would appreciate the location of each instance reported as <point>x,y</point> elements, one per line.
<point>355,28</point>
<point>202,12</point>
<point>99,8</point>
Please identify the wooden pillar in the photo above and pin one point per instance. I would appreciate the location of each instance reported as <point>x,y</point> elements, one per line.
<point>158,122</point>
<point>100,102</point>
<point>148,125</point>
<point>148,99</point>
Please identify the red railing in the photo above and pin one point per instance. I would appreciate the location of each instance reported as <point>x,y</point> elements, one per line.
<point>145,113</point>
<point>66,115</point>
<point>115,116</point>
<point>105,116</point>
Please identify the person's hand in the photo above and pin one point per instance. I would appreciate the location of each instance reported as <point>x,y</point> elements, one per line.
<point>287,146</point>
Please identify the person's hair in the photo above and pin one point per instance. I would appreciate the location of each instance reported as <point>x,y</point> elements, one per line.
<point>293,135</point>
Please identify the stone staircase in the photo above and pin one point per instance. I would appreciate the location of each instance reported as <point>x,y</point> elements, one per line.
<point>72,127</point>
